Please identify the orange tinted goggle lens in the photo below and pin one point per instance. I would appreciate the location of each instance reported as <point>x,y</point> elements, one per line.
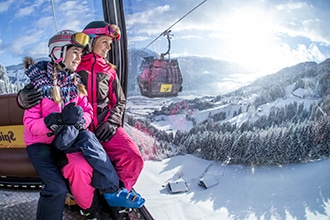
<point>80,38</point>
<point>114,31</point>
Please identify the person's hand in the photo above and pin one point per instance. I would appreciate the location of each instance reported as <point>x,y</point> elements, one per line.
<point>53,122</point>
<point>28,97</point>
<point>105,131</point>
<point>72,114</point>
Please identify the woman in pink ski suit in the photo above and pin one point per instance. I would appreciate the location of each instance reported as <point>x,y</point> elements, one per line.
<point>108,101</point>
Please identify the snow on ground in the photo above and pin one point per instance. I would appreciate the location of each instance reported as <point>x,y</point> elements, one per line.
<point>142,107</point>
<point>295,191</point>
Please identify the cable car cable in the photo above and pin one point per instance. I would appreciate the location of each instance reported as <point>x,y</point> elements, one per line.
<point>164,32</point>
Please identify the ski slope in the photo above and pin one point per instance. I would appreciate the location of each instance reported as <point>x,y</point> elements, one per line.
<point>295,191</point>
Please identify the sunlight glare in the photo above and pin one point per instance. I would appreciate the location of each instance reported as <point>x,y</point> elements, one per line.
<point>252,38</point>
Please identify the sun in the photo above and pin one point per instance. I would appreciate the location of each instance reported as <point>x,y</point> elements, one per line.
<point>252,38</point>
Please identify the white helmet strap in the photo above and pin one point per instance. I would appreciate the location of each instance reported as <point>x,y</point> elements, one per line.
<point>58,56</point>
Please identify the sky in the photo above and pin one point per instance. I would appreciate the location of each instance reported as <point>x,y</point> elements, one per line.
<point>259,33</point>
<point>27,25</point>
<point>265,35</point>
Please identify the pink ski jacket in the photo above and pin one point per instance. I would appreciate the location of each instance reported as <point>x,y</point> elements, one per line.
<point>104,90</point>
<point>41,75</point>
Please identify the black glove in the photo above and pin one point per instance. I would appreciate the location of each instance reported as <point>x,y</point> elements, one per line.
<point>28,97</point>
<point>54,123</point>
<point>105,131</point>
<point>72,114</point>
<point>65,139</point>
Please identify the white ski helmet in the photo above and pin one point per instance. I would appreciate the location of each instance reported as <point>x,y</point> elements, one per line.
<point>59,43</point>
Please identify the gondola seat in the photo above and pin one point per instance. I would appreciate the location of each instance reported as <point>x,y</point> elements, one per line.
<point>15,164</point>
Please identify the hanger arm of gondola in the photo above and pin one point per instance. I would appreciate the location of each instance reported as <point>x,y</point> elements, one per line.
<point>167,34</point>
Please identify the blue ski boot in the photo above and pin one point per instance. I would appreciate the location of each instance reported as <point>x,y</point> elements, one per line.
<point>124,198</point>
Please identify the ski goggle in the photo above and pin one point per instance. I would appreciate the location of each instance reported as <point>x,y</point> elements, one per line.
<point>80,39</point>
<point>110,30</point>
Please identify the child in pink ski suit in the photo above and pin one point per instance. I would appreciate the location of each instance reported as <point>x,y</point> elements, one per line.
<point>108,101</point>
<point>59,86</point>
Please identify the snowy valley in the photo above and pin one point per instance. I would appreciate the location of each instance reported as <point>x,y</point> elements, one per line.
<point>265,144</point>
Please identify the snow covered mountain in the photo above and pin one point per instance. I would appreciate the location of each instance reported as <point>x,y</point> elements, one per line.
<point>201,75</point>
<point>16,74</point>
<point>12,78</point>
<point>6,86</point>
<point>277,119</point>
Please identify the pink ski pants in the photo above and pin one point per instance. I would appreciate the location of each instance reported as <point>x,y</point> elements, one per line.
<point>125,156</point>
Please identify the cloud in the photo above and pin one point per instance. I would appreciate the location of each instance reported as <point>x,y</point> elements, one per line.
<point>304,20</point>
<point>73,10</point>
<point>24,12</point>
<point>190,36</point>
<point>148,23</point>
<point>35,40</point>
<point>316,30</point>
<point>138,38</point>
<point>41,52</point>
<point>2,49</point>
<point>5,5</point>
<point>289,7</point>
<point>316,53</point>
<point>141,20</point>
<point>17,45</point>
<point>256,33</point>
<point>28,24</point>
<point>73,15</point>
<point>44,22</point>
<point>250,31</point>
<point>313,29</point>
<point>74,25</point>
